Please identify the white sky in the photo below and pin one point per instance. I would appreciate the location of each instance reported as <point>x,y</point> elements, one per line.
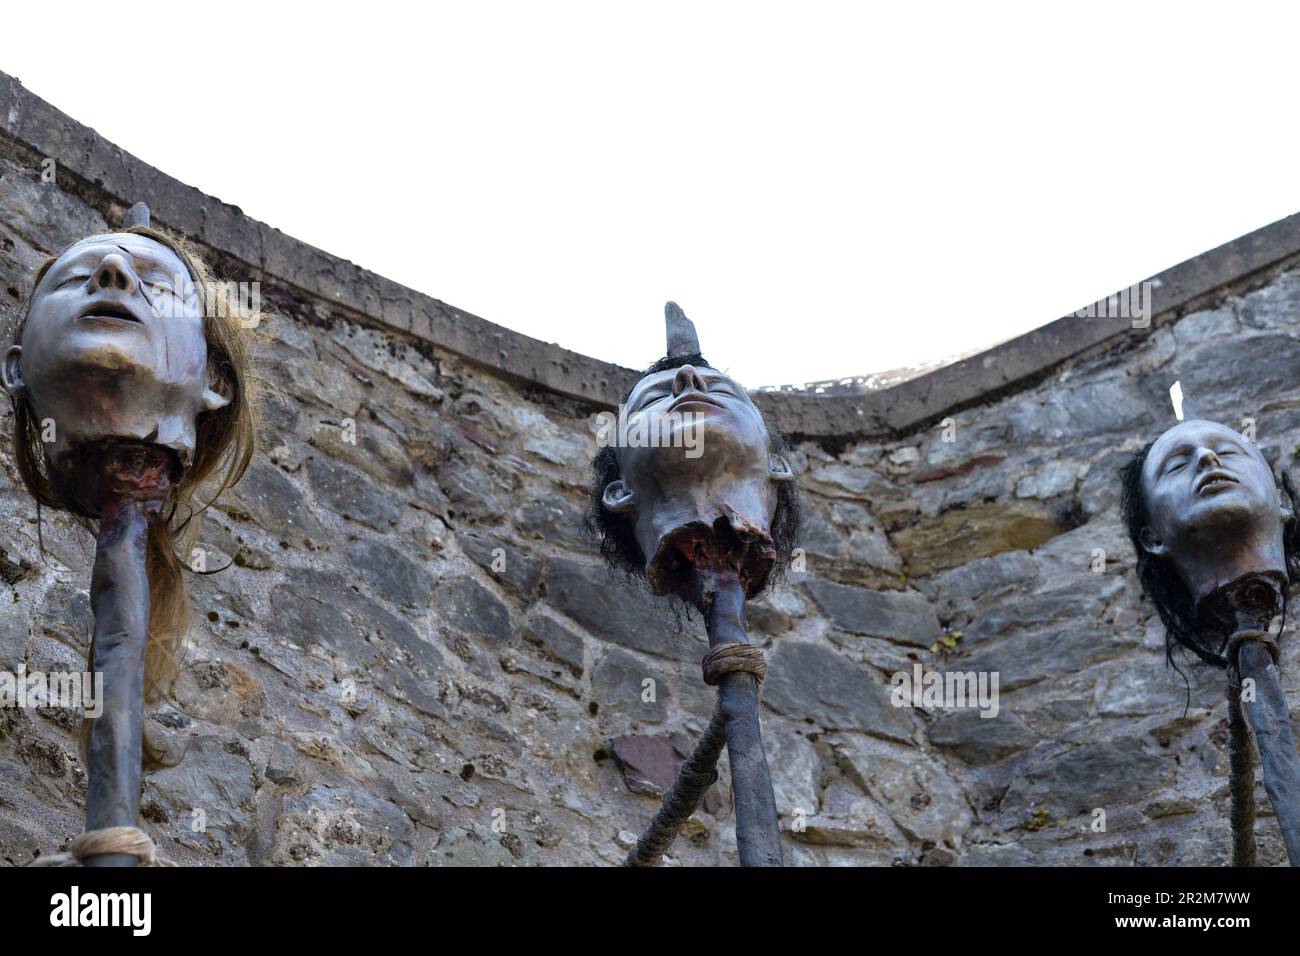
<point>827,189</point>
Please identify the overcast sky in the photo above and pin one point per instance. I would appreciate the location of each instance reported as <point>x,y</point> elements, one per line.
<point>827,189</point>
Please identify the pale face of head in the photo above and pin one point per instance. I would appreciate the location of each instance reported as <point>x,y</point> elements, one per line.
<point>114,347</point>
<point>1202,481</point>
<point>725,444</point>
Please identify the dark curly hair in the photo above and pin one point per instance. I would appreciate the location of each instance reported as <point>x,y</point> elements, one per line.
<point>1160,580</point>
<point>616,534</point>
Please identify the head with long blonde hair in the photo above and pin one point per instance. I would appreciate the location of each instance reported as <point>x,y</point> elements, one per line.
<point>128,337</point>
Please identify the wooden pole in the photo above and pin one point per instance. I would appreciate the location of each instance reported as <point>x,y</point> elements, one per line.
<point>758,833</point>
<point>1270,718</point>
<point>126,483</point>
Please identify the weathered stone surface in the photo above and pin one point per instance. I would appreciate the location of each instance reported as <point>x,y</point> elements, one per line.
<point>1275,306</point>
<point>1261,365</point>
<point>1099,491</point>
<point>553,520</point>
<point>809,681</point>
<point>470,606</point>
<point>818,536</point>
<point>894,615</point>
<point>849,818</point>
<point>795,767</point>
<point>275,503</point>
<point>323,609</point>
<point>222,693</point>
<point>1028,657</point>
<point>1201,328</point>
<point>390,574</point>
<point>504,560</point>
<point>649,764</point>
<point>13,637</point>
<point>347,492</point>
<point>981,740</point>
<point>611,611</point>
<point>962,535</point>
<point>1112,404</point>
<point>401,363</point>
<point>204,802</point>
<point>307,611</point>
<point>1137,689</point>
<point>1051,480</point>
<point>957,590</point>
<point>922,799</point>
<point>1111,774</point>
<point>476,846</point>
<point>471,495</point>
<point>282,764</point>
<point>367,446</point>
<point>1028,613</point>
<point>619,688</point>
<point>557,641</point>
<point>342,827</point>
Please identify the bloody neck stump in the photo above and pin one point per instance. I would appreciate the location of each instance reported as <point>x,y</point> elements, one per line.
<point>699,497</point>
<point>128,383</point>
<point>1209,524</point>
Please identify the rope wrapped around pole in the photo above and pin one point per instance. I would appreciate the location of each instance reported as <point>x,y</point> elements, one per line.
<point>698,772</point>
<point>129,841</point>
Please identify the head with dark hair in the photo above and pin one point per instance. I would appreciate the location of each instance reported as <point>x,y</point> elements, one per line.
<point>1204,510</point>
<point>716,470</point>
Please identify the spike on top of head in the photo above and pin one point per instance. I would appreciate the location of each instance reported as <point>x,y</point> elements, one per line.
<point>682,340</point>
<point>137,215</point>
<point>1184,410</point>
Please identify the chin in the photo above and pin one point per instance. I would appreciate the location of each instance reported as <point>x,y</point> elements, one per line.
<point>728,436</point>
<point>1226,510</point>
<point>109,353</point>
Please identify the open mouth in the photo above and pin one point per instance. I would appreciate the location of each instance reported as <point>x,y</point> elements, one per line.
<point>1215,481</point>
<point>688,398</point>
<point>110,311</point>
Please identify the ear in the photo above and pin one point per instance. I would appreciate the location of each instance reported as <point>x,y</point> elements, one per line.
<point>1151,544</point>
<point>213,400</point>
<point>11,371</point>
<point>778,469</point>
<point>1285,504</point>
<point>617,497</point>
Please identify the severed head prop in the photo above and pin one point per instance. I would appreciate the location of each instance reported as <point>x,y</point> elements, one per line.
<point>129,352</point>
<point>114,347</point>
<point>1207,516</point>
<point>690,474</point>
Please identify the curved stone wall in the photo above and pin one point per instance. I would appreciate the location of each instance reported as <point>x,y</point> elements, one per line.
<point>415,657</point>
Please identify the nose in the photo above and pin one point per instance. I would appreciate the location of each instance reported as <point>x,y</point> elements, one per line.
<point>688,379</point>
<point>115,273</point>
<point>1206,458</point>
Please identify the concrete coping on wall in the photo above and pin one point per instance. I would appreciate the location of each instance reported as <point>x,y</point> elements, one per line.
<point>112,179</point>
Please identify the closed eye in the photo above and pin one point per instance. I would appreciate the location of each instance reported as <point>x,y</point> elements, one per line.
<point>652,396</point>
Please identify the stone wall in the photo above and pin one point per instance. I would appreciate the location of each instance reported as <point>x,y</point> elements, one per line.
<point>414,657</point>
